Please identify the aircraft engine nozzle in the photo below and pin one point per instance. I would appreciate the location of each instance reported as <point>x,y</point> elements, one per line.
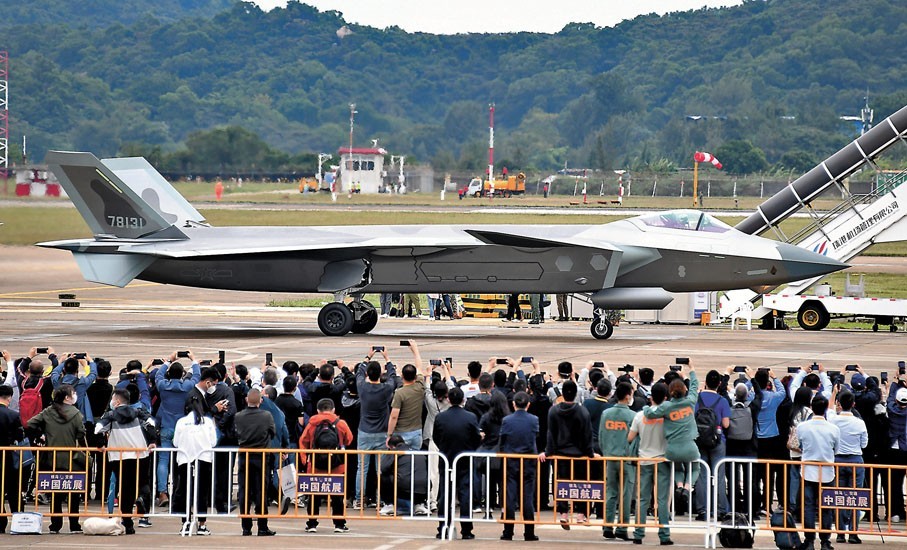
<point>632,298</point>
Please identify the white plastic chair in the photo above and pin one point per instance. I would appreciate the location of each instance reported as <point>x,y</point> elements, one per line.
<point>745,311</point>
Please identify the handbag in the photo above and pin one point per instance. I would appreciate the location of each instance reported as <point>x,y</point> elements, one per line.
<point>793,442</point>
<point>26,523</point>
<point>288,479</point>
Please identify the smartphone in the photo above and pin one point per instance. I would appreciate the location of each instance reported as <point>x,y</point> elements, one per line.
<point>682,360</point>
<point>205,363</point>
<point>182,354</point>
<point>598,365</point>
<point>377,348</point>
<point>501,361</point>
<point>526,359</point>
<point>740,368</point>
<point>157,362</point>
<point>222,357</point>
<point>435,362</point>
<point>833,375</point>
<point>80,356</point>
<point>884,377</point>
<point>793,370</point>
<point>404,342</point>
<point>675,368</point>
<point>41,351</point>
<point>850,368</point>
<point>269,357</point>
<point>902,369</point>
<point>449,361</point>
<point>766,369</point>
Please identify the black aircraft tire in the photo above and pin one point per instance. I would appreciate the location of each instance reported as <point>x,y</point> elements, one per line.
<point>601,331</point>
<point>335,319</point>
<point>367,322</point>
<point>812,317</point>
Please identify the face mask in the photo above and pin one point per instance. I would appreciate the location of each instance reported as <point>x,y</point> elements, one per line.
<point>75,398</point>
<point>210,390</point>
<point>113,404</point>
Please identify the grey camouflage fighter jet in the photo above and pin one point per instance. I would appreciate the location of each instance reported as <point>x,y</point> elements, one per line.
<point>144,229</point>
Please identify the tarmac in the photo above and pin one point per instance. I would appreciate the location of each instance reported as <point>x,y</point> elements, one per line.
<point>147,320</point>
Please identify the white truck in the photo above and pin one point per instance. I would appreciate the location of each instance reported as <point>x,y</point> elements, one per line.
<point>814,311</point>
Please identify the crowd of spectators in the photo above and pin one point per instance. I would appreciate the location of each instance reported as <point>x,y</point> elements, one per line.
<point>504,405</point>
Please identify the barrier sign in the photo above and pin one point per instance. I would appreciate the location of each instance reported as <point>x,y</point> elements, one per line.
<point>321,484</point>
<point>580,490</point>
<point>61,481</point>
<point>844,497</point>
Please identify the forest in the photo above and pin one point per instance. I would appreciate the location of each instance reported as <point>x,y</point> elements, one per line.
<point>764,82</point>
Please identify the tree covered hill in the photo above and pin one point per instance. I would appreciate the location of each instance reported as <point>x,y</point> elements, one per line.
<point>776,73</point>
<point>102,13</point>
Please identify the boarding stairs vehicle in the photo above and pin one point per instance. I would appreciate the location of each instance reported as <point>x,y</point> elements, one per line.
<point>842,233</point>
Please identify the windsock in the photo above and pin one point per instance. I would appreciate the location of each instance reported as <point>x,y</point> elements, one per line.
<point>707,157</point>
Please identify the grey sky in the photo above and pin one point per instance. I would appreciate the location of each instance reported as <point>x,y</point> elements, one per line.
<point>460,16</point>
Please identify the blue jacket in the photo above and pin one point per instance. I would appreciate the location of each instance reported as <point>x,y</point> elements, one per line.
<point>57,378</point>
<point>144,394</point>
<point>766,421</point>
<point>173,395</point>
<point>519,432</point>
<point>281,439</point>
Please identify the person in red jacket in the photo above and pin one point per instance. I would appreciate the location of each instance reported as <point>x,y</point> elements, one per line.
<point>326,431</point>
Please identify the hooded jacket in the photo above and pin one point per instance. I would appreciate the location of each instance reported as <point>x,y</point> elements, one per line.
<point>128,428</point>
<point>62,426</point>
<point>569,431</point>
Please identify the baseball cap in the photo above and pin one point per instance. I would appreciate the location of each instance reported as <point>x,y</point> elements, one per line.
<point>565,369</point>
<point>858,381</point>
<point>901,396</point>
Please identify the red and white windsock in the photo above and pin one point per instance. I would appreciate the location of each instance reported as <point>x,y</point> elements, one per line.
<point>707,157</point>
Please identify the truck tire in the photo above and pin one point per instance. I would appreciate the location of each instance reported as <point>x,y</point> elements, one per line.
<point>813,316</point>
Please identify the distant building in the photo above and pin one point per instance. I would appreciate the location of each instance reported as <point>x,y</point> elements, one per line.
<point>363,167</point>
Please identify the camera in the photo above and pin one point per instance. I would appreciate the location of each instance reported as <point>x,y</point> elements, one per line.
<point>682,360</point>
<point>626,368</point>
<point>378,348</point>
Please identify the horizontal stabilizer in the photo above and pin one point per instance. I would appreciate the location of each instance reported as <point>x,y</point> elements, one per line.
<point>112,269</point>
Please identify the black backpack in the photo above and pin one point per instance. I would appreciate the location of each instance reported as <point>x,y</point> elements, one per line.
<point>785,540</point>
<point>737,532</point>
<point>707,425</point>
<point>327,438</point>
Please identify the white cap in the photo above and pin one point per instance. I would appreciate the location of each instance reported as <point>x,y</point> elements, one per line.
<point>901,396</point>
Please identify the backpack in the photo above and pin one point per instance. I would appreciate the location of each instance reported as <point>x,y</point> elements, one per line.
<point>707,425</point>
<point>30,402</point>
<point>732,536</point>
<point>785,540</point>
<point>327,438</point>
<point>741,426</point>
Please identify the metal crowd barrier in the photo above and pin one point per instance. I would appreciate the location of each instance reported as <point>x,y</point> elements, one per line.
<point>578,486</point>
<point>842,501</point>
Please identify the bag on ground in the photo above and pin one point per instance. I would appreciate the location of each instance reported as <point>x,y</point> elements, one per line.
<point>26,523</point>
<point>785,540</point>
<point>737,532</point>
<point>103,527</point>
<point>288,479</point>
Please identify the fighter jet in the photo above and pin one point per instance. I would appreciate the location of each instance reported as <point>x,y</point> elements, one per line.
<point>144,229</point>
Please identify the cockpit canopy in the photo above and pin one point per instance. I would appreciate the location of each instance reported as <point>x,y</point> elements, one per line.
<point>688,220</point>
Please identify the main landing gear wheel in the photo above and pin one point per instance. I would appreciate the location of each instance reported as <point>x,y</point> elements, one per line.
<point>601,328</point>
<point>365,317</point>
<point>335,319</point>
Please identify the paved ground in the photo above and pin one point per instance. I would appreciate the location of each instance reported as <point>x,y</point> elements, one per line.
<point>148,320</point>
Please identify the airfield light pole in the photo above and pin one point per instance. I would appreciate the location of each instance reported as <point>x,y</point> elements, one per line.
<point>321,158</point>
<point>4,116</point>
<point>491,144</point>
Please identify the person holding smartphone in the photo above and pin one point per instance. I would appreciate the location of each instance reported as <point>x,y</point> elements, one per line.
<point>374,412</point>
<point>406,406</point>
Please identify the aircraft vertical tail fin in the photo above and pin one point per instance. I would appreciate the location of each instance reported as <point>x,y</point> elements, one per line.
<point>109,206</point>
<point>139,175</point>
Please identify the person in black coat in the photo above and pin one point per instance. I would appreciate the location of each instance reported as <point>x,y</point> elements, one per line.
<point>456,431</point>
<point>518,436</point>
<point>11,433</point>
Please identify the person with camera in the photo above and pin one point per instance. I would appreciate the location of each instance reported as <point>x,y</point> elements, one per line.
<point>375,397</point>
<point>72,372</point>
<point>439,382</point>
<point>173,385</point>
<point>613,436</point>
<point>322,383</point>
<point>652,444</point>
<point>406,406</point>
<point>819,441</point>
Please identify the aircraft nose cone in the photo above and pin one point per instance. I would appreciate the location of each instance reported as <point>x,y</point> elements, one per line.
<point>803,264</point>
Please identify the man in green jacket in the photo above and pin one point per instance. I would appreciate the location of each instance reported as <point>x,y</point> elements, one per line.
<point>620,475</point>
